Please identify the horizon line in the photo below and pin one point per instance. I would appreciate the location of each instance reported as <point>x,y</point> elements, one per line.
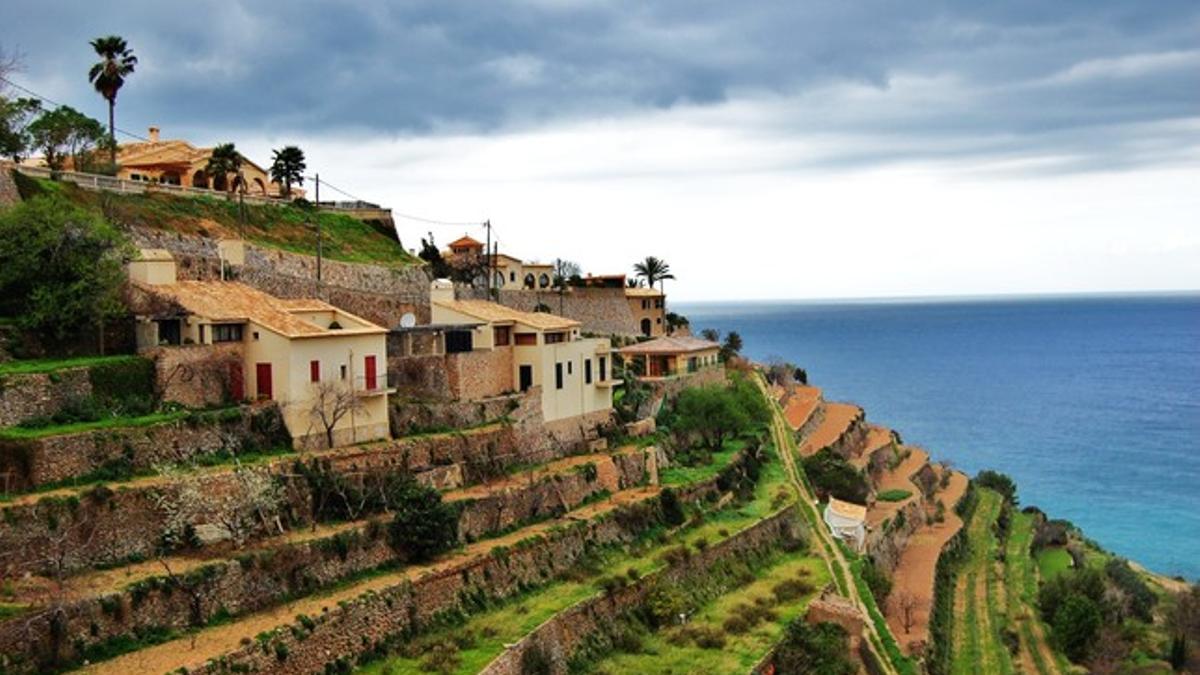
<point>974,297</point>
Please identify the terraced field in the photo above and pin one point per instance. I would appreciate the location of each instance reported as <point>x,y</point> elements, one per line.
<point>979,602</point>
<point>1022,585</point>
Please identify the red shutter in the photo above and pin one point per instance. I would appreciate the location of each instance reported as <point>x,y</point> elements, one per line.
<point>314,371</point>
<point>369,366</point>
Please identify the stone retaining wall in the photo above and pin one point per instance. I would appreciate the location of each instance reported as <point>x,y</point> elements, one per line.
<point>413,415</point>
<point>9,195</point>
<point>375,292</point>
<point>561,636</point>
<point>24,397</point>
<point>197,376</point>
<point>34,462</point>
<point>604,311</point>
<point>852,439</point>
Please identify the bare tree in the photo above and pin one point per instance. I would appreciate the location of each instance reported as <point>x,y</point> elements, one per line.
<point>908,605</point>
<point>331,402</point>
<point>252,498</point>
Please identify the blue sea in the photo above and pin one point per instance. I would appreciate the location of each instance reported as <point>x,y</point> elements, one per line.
<point>1092,403</point>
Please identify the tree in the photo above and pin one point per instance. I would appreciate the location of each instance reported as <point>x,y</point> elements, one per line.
<point>732,346</point>
<point>331,402</point>
<point>719,413</point>
<point>565,273</point>
<point>252,499</point>
<point>908,605</point>
<point>62,267</point>
<point>65,133</point>
<point>633,283</point>
<point>814,648</point>
<point>1183,623</point>
<point>711,334</point>
<point>225,160</point>
<point>676,321</point>
<point>653,270</point>
<point>287,167</point>
<point>15,117</point>
<point>108,76</point>
<point>423,525</point>
<point>832,475</point>
<point>1076,626</point>
<point>1002,483</point>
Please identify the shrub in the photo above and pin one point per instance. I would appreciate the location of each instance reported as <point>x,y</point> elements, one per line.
<point>1139,600</point>
<point>818,648</point>
<point>423,525</point>
<point>893,495</point>
<point>994,480</point>
<point>535,662</point>
<point>672,510</point>
<point>708,638</point>
<point>1076,626</point>
<point>791,589</point>
<point>735,624</point>
<point>832,475</point>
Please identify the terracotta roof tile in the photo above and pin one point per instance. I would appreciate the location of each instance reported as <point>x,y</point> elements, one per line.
<point>493,312</point>
<point>670,345</point>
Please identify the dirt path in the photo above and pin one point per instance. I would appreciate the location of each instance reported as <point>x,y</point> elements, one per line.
<point>1021,577</point>
<point>838,417</point>
<point>193,650</point>
<point>785,441</point>
<point>914,575</point>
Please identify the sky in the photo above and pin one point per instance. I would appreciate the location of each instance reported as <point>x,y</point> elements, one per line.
<point>765,150</point>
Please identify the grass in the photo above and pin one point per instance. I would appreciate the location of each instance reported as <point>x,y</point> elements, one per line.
<point>36,366</point>
<point>24,433</point>
<point>893,495</point>
<point>741,651</point>
<point>1053,562</point>
<point>1022,586</point>
<point>276,225</point>
<point>10,609</point>
<point>902,663</point>
<point>686,475</point>
<point>978,645</point>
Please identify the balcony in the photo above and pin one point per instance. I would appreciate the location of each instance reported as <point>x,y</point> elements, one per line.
<point>381,385</point>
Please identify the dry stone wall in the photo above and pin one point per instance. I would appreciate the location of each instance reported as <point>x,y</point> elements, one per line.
<point>409,415</point>
<point>23,397</point>
<point>197,376</point>
<point>9,195</point>
<point>374,292</point>
<point>603,311</point>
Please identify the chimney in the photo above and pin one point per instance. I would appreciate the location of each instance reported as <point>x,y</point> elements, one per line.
<point>153,134</point>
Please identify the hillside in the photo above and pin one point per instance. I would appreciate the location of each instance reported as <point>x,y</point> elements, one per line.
<point>281,226</point>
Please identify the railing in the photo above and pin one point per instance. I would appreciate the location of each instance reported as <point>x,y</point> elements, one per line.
<point>382,383</point>
<point>93,181</point>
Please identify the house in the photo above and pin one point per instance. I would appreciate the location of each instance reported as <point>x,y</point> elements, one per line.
<point>514,273</point>
<point>324,366</point>
<point>673,356</point>
<point>847,521</point>
<point>178,162</point>
<point>507,350</point>
<point>465,246</point>
<point>649,308</point>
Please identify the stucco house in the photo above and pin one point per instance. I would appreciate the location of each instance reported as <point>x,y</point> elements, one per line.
<point>508,350</point>
<point>848,521</point>
<point>178,162</point>
<point>672,357</point>
<point>649,308</point>
<point>324,366</point>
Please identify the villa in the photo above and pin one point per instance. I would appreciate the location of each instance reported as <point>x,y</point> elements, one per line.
<point>648,306</point>
<point>324,366</point>
<point>673,357</point>
<point>483,349</point>
<point>178,162</point>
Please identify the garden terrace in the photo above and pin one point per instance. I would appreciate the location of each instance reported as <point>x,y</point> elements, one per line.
<point>914,573</point>
<point>801,405</point>
<point>840,429</point>
<point>278,226</point>
<point>979,596</point>
<point>1021,584</point>
<point>873,455</point>
<point>896,488</point>
<point>44,392</point>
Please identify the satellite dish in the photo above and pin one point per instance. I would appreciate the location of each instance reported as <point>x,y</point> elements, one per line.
<point>408,320</point>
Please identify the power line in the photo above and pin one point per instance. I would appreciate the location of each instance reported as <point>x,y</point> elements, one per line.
<point>53,102</point>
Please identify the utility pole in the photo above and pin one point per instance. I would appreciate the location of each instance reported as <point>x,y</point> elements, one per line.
<point>317,215</point>
<point>487,224</point>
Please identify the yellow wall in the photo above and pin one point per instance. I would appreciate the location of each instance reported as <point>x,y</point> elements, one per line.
<point>656,315</point>
<point>576,396</point>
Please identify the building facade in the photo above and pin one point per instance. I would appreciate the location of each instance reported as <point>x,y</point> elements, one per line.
<point>671,357</point>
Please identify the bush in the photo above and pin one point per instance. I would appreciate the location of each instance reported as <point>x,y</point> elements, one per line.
<point>994,480</point>
<point>1076,626</point>
<point>1139,600</point>
<point>832,475</point>
<point>893,495</point>
<point>672,509</point>
<point>877,581</point>
<point>791,589</point>
<point>719,413</point>
<point>423,525</point>
<point>818,648</point>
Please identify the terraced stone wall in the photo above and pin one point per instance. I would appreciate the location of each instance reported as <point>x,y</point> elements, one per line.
<point>375,292</point>
<point>408,415</point>
<point>34,462</point>
<point>24,397</point>
<point>604,311</point>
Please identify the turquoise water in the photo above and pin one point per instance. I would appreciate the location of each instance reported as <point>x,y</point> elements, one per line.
<point>1091,403</point>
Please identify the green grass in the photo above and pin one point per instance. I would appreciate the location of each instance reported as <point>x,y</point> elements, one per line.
<point>1053,562</point>
<point>741,651</point>
<point>893,495</point>
<point>979,647</point>
<point>23,433</point>
<point>277,225</point>
<point>1022,586</point>
<point>902,663</point>
<point>10,609</point>
<point>35,366</point>
<point>686,475</point>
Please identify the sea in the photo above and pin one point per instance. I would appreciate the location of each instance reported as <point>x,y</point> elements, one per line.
<point>1091,403</point>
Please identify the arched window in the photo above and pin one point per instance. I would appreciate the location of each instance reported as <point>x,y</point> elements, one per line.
<point>646,327</point>
<point>529,280</point>
<point>499,279</point>
<point>200,180</point>
<point>220,183</point>
<point>260,186</point>
<point>544,280</point>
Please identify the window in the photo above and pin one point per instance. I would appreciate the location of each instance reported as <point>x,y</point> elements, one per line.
<point>512,276</point>
<point>314,371</point>
<point>570,367</point>
<point>587,371</point>
<point>458,341</point>
<point>343,371</point>
<point>526,339</point>
<point>544,280</point>
<point>529,281</point>
<point>558,376</point>
<point>603,368</point>
<point>555,338</point>
<point>201,341</point>
<point>227,332</point>
<point>502,335</point>
<point>645,304</point>
<point>256,335</point>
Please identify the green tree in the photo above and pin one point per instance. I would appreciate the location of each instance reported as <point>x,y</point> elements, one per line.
<point>733,345</point>
<point>108,76</point>
<point>225,160</point>
<point>287,168</point>
<point>62,269</point>
<point>719,413</point>
<point>15,118</point>
<point>653,270</point>
<point>1076,625</point>
<point>820,648</point>
<point>1002,483</point>
<point>711,334</point>
<point>423,525</point>
<point>65,133</point>
<point>832,475</point>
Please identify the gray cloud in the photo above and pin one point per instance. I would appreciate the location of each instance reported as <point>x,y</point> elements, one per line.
<point>1101,83</point>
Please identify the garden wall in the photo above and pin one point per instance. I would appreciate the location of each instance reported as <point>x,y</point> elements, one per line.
<point>24,397</point>
<point>604,311</point>
<point>409,415</point>
<point>197,376</point>
<point>121,452</point>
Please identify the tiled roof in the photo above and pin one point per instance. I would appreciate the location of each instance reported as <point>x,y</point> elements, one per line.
<point>640,292</point>
<point>847,509</point>
<point>464,241</point>
<point>496,313</point>
<point>670,345</point>
<point>232,301</point>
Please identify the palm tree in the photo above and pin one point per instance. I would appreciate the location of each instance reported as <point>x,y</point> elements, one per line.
<point>108,76</point>
<point>223,161</point>
<point>653,270</point>
<point>287,167</point>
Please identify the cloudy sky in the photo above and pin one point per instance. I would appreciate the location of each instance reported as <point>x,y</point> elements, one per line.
<point>775,149</point>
